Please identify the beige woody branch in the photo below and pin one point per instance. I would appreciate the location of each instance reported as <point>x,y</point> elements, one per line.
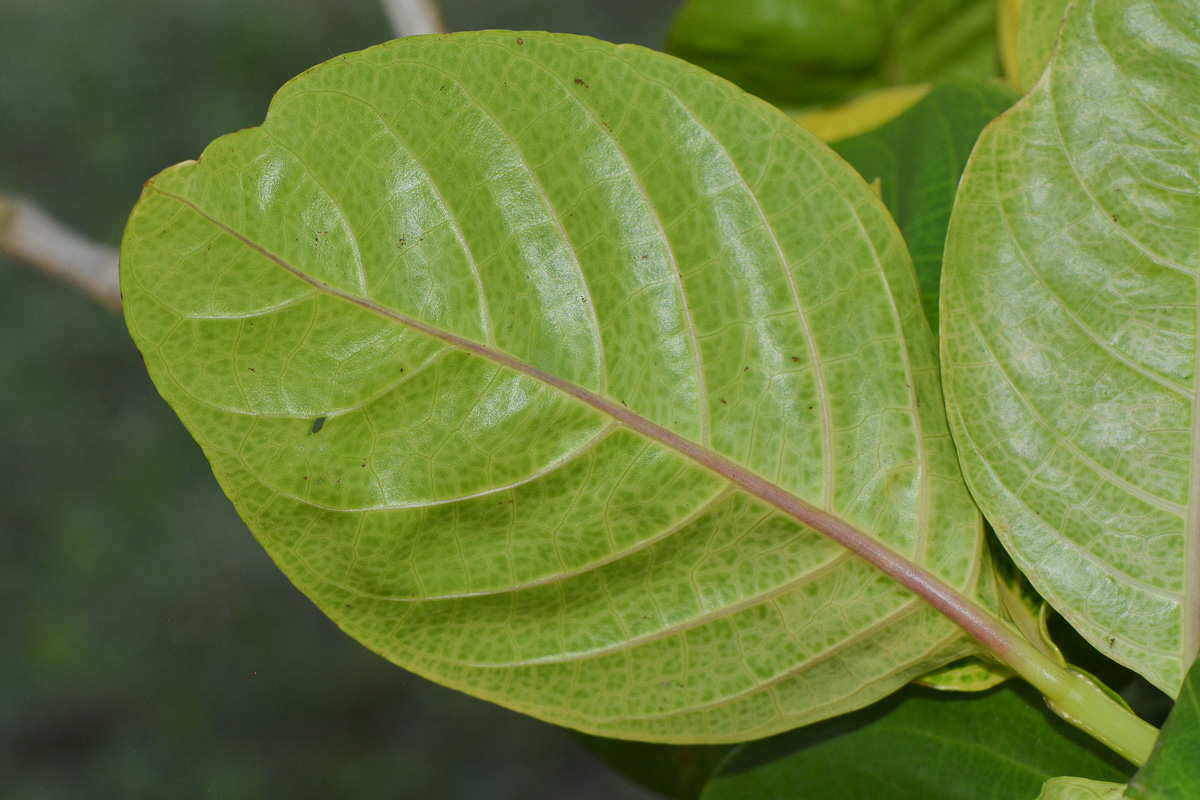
<point>413,17</point>
<point>30,235</point>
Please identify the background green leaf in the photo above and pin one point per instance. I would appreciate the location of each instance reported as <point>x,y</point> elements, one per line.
<point>1069,331</point>
<point>1036,36</point>
<point>920,744</point>
<point>1173,771</point>
<point>672,770</point>
<point>487,335</point>
<point>801,52</point>
<point>918,159</point>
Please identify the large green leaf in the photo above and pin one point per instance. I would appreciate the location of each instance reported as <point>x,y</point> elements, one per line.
<point>918,159</point>
<point>1069,330</point>
<point>548,368</point>
<point>801,52</point>
<point>919,745</point>
<point>1173,771</point>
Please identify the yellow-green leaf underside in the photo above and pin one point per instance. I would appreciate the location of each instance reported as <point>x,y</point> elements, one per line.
<point>525,355</point>
<point>1069,325</point>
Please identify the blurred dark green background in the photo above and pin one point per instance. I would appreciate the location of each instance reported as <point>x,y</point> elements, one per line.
<point>148,647</point>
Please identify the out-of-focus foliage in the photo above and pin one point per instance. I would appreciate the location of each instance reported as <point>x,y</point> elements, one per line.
<point>805,52</point>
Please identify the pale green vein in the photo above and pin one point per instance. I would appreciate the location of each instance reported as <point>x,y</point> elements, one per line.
<point>1058,302</point>
<point>1067,445</point>
<point>452,221</point>
<point>360,268</point>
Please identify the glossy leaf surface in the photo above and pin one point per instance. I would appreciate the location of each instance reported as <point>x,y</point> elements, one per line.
<point>803,52</point>
<point>511,347</point>
<point>918,159</point>
<point>919,744</point>
<point>1069,314</point>
<point>1173,771</point>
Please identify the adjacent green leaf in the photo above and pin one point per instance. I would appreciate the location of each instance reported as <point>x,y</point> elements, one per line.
<point>1080,789</point>
<point>920,745</point>
<point>1008,22</point>
<point>804,52</point>
<point>1036,35</point>
<point>1029,612</point>
<point>918,158</point>
<point>1069,322</point>
<point>1173,771</point>
<point>862,113</point>
<point>971,674</point>
<point>524,355</point>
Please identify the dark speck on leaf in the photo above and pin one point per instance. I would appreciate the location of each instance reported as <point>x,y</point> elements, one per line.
<point>318,423</point>
<point>795,359</point>
<point>250,368</point>
<point>520,41</point>
<point>579,82</point>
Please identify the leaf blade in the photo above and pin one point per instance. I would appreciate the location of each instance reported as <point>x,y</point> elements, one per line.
<point>1064,383</point>
<point>1081,789</point>
<point>417,519</point>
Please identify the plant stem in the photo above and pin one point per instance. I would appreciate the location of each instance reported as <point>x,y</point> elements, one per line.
<point>1076,698</point>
